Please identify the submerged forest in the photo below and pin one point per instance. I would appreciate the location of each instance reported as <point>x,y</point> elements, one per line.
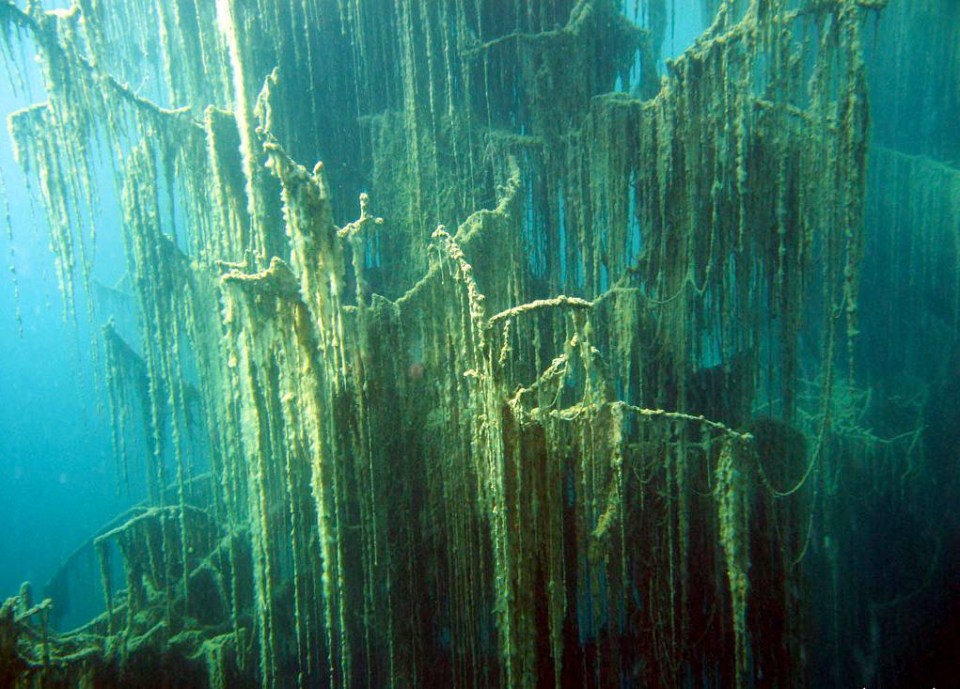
<point>479,343</point>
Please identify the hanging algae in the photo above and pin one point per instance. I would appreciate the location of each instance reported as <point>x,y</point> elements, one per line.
<point>499,436</point>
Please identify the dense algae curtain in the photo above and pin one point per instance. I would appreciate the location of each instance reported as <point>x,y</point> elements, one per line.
<point>537,379</point>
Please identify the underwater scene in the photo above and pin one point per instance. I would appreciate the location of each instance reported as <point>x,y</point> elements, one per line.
<point>480,344</point>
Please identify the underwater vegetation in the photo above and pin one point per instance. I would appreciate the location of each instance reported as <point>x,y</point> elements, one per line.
<point>474,346</point>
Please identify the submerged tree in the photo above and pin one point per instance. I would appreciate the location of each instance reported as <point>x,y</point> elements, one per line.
<point>551,411</point>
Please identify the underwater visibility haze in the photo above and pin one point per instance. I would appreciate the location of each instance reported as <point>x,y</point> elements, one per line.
<point>480,343</point>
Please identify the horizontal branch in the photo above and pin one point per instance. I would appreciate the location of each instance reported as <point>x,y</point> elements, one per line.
<point>562,300</point>
<point>277,280</point>
<point>681,416</point>
<point>580,14</point>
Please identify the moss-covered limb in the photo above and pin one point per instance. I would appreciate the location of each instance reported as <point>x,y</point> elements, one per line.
<point>587,410</point>
<point>696,420</point>
<point>230,17</point>
<point>144,515</point>
<point>554,302</point>
<point>24,641</point>
<point>227,195</point>
<point>853,116</point>
<point>733,501</point>
<point>351,229</point>
<point>285,383</point>
<point>585,16</point>
<point>277,280</point>
<point>831,6</point>
<point>611,514</point>
<point>479,222</point>
<point>464,272</point>
<point>315,250</point>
